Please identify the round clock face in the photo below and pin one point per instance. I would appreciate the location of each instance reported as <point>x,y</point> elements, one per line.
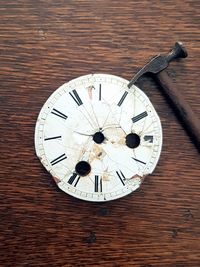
<point>98,138</point>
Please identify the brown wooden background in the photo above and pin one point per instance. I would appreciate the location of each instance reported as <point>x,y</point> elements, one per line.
<point>46,43</point>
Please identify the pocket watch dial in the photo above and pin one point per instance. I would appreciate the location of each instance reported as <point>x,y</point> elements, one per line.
<point>98,138</point>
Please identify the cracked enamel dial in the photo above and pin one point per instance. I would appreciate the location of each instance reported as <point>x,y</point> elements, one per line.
<point>98,138</point>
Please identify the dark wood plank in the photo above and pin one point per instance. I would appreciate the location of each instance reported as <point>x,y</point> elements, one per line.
<point>46,43</point>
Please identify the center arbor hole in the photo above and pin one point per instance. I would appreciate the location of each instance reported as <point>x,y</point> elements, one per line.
<point>83,168</point>
<point>132,140</point>
<point>98,137</point>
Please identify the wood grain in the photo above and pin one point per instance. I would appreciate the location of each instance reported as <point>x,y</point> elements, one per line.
<point>180,106</point>
<point>46,43</point>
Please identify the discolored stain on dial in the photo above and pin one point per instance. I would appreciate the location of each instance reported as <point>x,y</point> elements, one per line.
<point>96,116</point>
<point>97,152</point>
<point>57,180</point>
<point>90,91</point>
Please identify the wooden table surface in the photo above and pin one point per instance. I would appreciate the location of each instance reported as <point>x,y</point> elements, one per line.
<point>46,43</point>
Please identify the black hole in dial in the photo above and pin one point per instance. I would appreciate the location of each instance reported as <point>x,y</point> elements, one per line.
<point>83,168</point>
<point>132,140</point>
<point>98,137</point>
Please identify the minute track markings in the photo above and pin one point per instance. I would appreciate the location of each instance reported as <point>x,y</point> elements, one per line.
<point>75,117</point>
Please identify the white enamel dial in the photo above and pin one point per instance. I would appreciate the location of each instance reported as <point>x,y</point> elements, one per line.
<point>98,138</point>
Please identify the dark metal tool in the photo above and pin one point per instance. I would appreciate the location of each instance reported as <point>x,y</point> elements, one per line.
<point>156,66</point>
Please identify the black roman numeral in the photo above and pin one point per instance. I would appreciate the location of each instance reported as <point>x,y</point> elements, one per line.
<point>54,137</point>
<point>142,162</point>
<point>76,97</point>
<point>99,92</point>
<point>139,116</point>
<point>58,159</point>
<point>122,98</point>
<point>59,114</point>
<point>74,178</point>
<point>97,184</point>
<point>121,176</point>
<point>148,138</point>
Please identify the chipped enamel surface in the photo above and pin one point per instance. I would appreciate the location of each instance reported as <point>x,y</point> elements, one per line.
<point>74,113</point>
